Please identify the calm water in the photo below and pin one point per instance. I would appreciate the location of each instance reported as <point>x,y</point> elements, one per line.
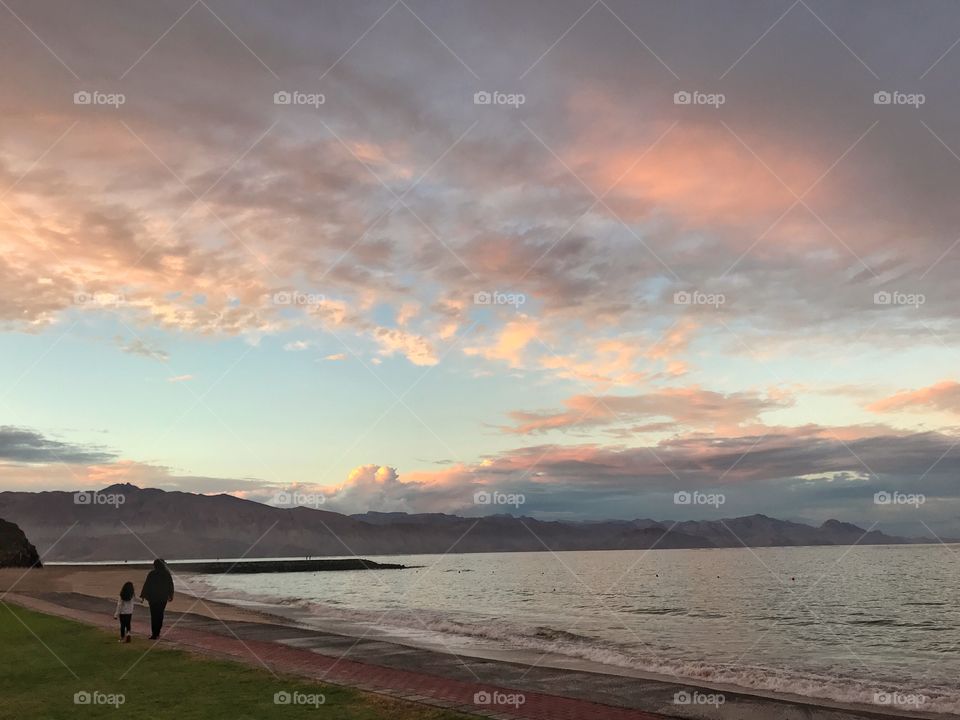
<point>840,623</point>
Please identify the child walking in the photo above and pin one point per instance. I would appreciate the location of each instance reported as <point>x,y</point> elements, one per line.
<point>124,610</point>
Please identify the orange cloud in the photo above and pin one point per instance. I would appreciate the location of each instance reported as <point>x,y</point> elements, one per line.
<point>943,396</point>
<point>675,341</point>
<point>613,362</point>
<point>700,172</point>
<point>510,343</point>
<point>686,407</point>
<point>415,348</point>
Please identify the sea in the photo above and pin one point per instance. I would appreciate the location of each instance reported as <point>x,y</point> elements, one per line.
<point>863,624</point>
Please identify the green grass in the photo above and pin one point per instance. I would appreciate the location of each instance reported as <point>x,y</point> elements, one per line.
<point>165,684</point>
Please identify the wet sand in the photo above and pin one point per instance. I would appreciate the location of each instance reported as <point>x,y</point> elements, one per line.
<point>106,583</point>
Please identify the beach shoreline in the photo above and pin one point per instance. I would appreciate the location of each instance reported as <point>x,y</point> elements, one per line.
<point>105,583</point>
<point>73,587</point>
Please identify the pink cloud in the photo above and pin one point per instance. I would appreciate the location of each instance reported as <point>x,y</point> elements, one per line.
<point>699,172</point>
<point>416,348</point>
<point>685,407</point>
<point>509,343</point>
<point>943,396</point>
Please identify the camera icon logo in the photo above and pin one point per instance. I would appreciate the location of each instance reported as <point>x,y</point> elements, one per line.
<point>882,298</point>
<point>882,498</point>
<point>282,97</point>
<point>482,497</point>
<point>82,498</point>
<point>482,697</point>
<point>882,97</point>
<point>682,297</point>
<point>482,97</point>
<point>282,698</point>
<point>682,498</point>
<point>682,97</point>
<point>81,698</point>
<point>482,298</point>
<point>82,97</point>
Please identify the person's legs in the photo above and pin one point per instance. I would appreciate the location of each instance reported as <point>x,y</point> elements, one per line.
<point>125,625</point>
<point>163,607</point>
<point>154,612</point>
<point>156,618</point>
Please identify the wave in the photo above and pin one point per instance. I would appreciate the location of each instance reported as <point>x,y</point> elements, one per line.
<point>552,641</point>
<point>657,611</point>
<point>406,625</point>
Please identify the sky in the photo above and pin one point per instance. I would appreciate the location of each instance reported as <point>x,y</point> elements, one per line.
<point>580,257</point>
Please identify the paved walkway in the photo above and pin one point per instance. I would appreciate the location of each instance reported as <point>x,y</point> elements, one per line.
<point>432,678</point>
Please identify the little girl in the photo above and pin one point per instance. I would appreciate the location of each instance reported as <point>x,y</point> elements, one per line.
<point>125,610</point>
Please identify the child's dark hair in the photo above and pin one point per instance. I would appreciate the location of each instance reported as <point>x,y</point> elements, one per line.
<point>126,592</point>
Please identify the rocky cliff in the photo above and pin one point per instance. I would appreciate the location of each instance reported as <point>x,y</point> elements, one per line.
<point>15,549</point>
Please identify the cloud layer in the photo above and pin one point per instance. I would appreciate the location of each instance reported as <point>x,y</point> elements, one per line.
<point>648,287</point>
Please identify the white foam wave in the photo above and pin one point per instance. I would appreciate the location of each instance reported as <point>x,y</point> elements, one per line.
<point>498,634</point>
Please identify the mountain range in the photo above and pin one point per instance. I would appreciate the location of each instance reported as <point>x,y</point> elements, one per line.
<point>182,525</point>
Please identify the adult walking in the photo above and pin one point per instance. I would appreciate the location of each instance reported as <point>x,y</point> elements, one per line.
<point>157,591</point>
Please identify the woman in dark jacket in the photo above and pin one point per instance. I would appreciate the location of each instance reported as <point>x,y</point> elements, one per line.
<point>157,591</point>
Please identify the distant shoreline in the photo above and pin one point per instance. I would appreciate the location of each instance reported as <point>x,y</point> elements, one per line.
<point>192,564</point>
<point>242,566</point>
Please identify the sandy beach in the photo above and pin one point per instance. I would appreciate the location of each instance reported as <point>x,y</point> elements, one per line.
<point>87,594</point>
<point>106,583</point>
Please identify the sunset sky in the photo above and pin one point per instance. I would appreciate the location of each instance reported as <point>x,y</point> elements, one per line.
<point>586,291</point>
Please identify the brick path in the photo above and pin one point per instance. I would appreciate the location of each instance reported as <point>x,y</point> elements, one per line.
<point>414,686</point>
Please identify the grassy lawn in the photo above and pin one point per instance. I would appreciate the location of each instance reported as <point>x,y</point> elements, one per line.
<point>164,684</point>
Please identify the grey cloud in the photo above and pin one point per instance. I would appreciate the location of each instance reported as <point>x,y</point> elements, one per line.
<point>137,346</point>
<point>19,445</point>
<point>807,473</point>
<point>302,201</point>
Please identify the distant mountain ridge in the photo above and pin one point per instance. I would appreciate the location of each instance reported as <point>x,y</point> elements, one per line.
<point>181,525</point>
